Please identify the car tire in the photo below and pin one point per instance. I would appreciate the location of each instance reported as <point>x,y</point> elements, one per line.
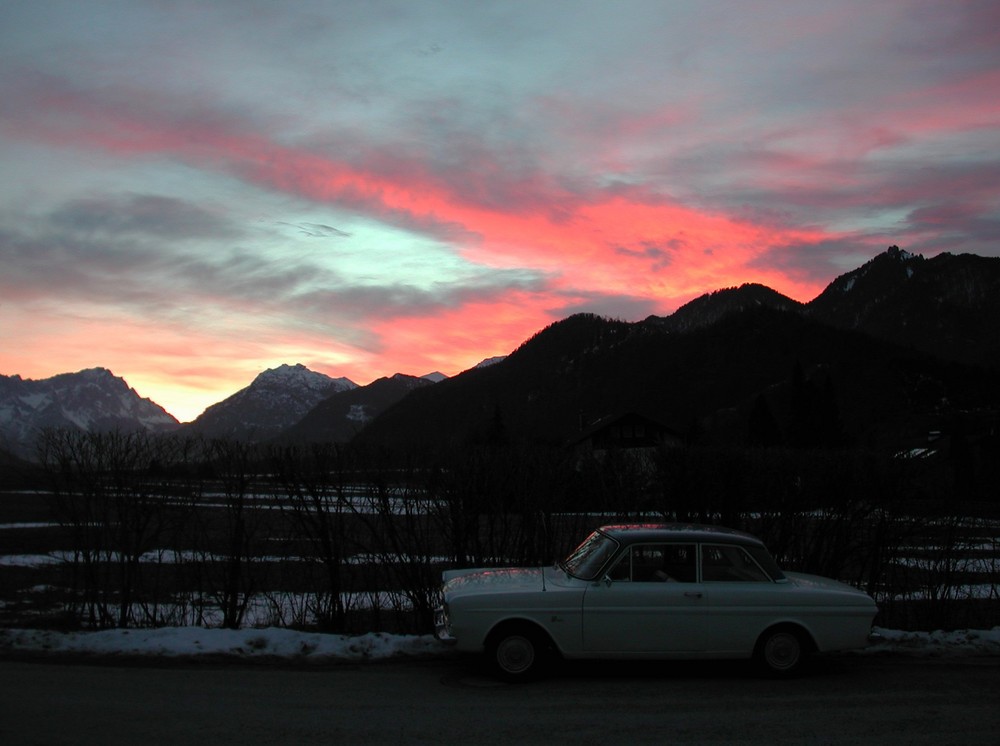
<point>517,653</point>
<point>781,651</point>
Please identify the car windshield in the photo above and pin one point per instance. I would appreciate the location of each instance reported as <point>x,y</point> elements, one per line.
<point>588,558</point>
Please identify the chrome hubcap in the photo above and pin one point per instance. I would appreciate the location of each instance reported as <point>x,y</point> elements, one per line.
<point>782,651</point>
<point>515,654</point>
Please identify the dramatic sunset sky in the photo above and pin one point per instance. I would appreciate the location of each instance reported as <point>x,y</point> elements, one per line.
<point>193,192</point>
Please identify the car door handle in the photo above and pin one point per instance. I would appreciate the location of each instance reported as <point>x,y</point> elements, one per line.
<point>692,594</point>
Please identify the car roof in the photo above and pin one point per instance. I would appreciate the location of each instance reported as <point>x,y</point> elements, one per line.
<point>637,533</point>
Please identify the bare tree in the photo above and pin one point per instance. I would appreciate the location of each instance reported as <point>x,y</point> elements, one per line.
<point>233,568</point>
<point>113,507</point>
<point>317,485</point>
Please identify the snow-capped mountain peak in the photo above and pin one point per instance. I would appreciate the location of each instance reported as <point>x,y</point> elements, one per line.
<point>490,361</point>
<point>276,399</point>
<point>91,400</point>
<point>299,376</point>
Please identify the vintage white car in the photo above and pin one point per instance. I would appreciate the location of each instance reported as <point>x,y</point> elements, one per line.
<point>651,592</point>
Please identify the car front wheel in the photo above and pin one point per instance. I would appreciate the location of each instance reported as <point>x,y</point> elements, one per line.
<point>517,653</point>
<point>781,651</point>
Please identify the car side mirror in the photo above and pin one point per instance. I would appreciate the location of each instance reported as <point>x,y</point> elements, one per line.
<point>607,580</point>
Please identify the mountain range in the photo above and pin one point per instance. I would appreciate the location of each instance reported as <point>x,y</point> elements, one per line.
<point>896,348</point>
<point>885,351</point>
<point>91,400</point>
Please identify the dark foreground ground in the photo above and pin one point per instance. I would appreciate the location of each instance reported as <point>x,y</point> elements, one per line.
<point>843,699</point>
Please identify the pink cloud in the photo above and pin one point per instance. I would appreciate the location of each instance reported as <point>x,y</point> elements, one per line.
<point>575,235</point>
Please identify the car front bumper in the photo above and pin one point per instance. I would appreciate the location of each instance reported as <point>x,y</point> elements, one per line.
<point>442,625</point>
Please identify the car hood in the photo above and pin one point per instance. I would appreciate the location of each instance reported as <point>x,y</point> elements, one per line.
<point>498,579</point>
<point>503,580</point>
<point>819,583</point>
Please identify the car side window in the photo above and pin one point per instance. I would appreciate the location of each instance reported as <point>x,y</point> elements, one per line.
<point>657,563</point>
<point>680,562</point>
<point>720,562</point>
<point>622,569</point>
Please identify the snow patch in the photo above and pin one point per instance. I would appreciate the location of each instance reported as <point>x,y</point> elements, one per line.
<point>357,414</point>
<point>964,642</point>
<point>274,642</point>
<point>172,642</point>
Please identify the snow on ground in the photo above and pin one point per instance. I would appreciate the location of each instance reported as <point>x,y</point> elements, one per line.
<point>938,643</point>
<point>271,643</point>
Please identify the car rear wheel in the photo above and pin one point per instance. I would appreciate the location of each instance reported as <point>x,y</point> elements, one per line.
<point>517,653</point>
<point>781,651</point>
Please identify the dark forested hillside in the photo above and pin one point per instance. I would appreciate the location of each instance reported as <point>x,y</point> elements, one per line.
<point>820,385</point>
<point>948,306</point>
<point>339,417</point>
<point>707,309</point>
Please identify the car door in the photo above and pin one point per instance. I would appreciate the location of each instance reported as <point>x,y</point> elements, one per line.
<point>647,602</point>
<point>738,600</point>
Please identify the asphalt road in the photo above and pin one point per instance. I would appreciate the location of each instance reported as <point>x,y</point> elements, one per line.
<point>843,699</point>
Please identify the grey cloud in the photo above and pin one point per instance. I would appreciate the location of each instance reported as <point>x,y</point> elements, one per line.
<point>822,261</point>
<point>394,300</point>
<point>937,223</point>
<point>27,265</point>
<point>317,230</point>
<point>626,307</point>
<point>49,268</point>
<point>242,276</point>
<point>117,252</point>
<point>134,250</point>
<point>953,227</point>
<point>972,25</point>
<point>660,254</point>
<point>490,155</point>
<point>88,251</point>
<point>775,189</point>
<point>141,214</point>
<point>300,180</point>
